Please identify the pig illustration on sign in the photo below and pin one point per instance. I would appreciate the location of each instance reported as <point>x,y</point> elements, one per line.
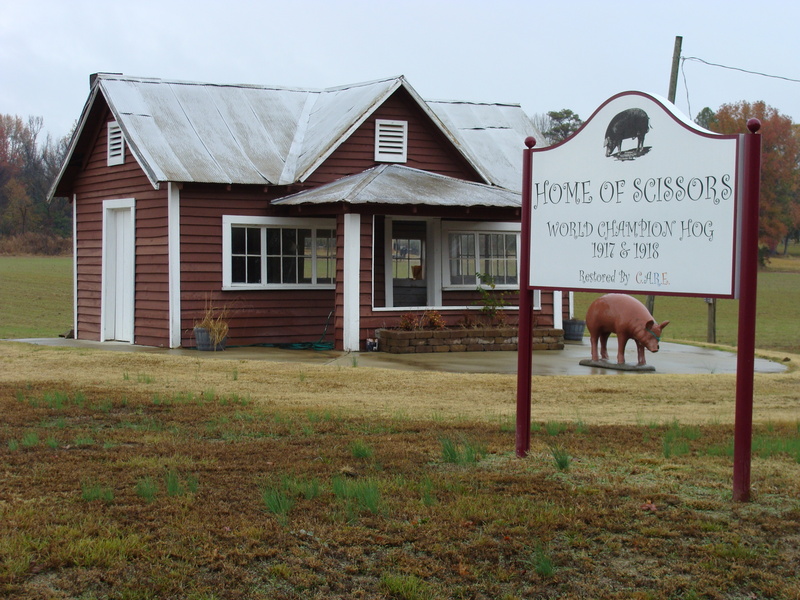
<point>631,123</point>
<point>629,319</point>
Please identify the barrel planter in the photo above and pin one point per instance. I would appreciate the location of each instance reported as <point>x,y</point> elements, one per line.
<point>573,329</point>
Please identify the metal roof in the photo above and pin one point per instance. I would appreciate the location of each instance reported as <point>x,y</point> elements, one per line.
<point>186,131</point>
<point>491,135</point>
<point>396,184</point>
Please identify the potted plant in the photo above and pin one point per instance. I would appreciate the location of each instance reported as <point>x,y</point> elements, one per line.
<point>211,332</point>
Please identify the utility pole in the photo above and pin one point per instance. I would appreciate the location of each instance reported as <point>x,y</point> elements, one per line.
<point>673,87</point>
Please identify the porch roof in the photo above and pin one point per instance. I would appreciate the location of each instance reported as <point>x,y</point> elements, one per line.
<point>396,184</point>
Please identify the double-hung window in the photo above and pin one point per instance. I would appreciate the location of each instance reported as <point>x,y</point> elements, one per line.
<point>488,249</point>
<point>278,252</point>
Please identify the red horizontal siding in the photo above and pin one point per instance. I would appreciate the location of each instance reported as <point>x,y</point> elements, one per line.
<point>93,184</point>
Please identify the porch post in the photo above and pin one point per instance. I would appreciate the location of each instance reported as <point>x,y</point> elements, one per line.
<point>174,258</point>
<point>351,309</point>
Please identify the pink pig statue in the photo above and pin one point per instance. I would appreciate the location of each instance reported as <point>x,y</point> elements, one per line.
<point>629,319</point>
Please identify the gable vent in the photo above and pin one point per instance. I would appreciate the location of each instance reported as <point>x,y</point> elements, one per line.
<point>391,141</point>
<point>116,144</point>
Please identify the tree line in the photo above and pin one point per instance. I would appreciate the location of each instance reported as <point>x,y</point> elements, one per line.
<point>779,212</point>
<point>28,167</point>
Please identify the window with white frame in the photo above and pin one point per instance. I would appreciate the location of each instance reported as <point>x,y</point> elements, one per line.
<point>116,145</point>
<point>272,252</point>
<point>489,249</point>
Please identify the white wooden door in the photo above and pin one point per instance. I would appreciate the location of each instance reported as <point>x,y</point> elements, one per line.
<point>118,274</point>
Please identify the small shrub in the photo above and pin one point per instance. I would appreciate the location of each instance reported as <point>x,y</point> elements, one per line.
<point>410,322</point>
<point>492,302</point>
<point>469,322</point>
<point>433,319</point>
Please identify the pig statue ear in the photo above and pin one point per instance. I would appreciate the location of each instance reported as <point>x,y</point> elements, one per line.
<point>664,324</point>
<point>649,324</point>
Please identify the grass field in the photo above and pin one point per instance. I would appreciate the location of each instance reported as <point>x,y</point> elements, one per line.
<point>35,296</point>
<point>36,301</point>
<point>138,476</point>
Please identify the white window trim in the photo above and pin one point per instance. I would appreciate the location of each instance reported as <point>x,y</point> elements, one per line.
<point>229,221</point>
<point>116,145</point>
<point>449,227</point>
<point>391,141</point>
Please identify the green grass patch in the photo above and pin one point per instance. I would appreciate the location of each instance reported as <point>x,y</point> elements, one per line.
<point>92,491</point>
<point>36,296</point>
<point>462,452</point>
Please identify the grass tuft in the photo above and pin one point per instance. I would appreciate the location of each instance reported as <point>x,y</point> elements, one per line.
<point>560,457</point>
<point>407,587</point>
<point>463,452</point>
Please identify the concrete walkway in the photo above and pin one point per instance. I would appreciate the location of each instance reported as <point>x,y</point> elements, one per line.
<point>672,359</point>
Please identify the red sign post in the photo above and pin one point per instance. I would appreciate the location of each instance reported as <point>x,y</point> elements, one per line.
<point>748,286</point>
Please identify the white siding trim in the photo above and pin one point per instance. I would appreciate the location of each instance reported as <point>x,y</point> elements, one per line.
<point>558,313</point>
<point>537,299</point>
<point>174,249</point>
<point>75,265</point>
<point>387,263</point>
<point>434,260</point>
<point>350,285</point>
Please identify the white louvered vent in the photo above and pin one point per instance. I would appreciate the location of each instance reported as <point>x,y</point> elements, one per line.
<point>391,141</point>
<point>116,144</point>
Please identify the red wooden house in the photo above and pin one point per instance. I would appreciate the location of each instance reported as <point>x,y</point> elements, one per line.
<point>304,212</point>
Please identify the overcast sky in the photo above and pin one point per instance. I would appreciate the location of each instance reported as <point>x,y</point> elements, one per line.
<point>542,55</point>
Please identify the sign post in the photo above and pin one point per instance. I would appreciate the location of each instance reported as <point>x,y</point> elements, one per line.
<point>524,345</point>
<point>748,284</point>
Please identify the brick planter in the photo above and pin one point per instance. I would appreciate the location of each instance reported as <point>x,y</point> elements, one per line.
<point>398,341</point>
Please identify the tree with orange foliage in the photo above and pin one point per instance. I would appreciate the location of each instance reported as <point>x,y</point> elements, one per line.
<point>779,212</point>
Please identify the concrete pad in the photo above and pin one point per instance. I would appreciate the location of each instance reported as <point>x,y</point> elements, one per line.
<point>672,358</point>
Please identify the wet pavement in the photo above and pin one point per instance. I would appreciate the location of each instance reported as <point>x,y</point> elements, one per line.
<point>672,358</point>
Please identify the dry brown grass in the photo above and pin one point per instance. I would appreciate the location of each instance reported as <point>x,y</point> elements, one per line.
<point>362,392</point>
<point>643,510</point>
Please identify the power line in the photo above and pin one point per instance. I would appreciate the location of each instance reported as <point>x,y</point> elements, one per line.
<point>710,64</point>
<point>705,62</point>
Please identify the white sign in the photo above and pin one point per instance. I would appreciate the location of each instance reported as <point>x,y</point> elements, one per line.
<point>639,200</point>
